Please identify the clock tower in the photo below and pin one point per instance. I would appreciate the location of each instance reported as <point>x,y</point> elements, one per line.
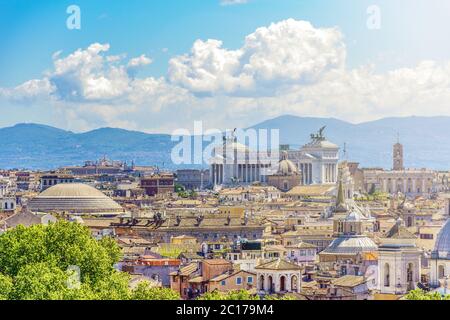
<point>398,156</point>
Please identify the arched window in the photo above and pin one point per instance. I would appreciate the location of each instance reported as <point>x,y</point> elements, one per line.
<point>294,280</point>
<point>270,284</point>
<point>441,272</point>
<point>387,280</point>
<point>409,222</point>
<point>261,282</point>
<point>282,283</point>
<point>410,273</point>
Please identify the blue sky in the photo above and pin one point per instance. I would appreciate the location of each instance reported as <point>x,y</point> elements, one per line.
<point>32,31</point>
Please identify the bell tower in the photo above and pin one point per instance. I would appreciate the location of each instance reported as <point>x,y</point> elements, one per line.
<point>398,156</point>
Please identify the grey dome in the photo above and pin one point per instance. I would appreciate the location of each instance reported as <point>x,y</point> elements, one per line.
<point>75,198</point>
<point>442,245</point>
<point>351,245</point>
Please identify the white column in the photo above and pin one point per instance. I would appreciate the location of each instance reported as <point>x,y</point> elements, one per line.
<point>310,173</point>
<point>266,283</point>
<point>287,283</point>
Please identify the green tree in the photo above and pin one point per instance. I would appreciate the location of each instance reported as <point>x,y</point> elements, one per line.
<point>6,286</point>
<point>230,295</point>
<point>372,189</point>
<point>178,188</point>
<point>63,261</point>
<point>419,294</point>
<point>280,297</point>
<point>61,244</point>
<point>113,287</point>
<point>144,291</point>
<point>40,281</point>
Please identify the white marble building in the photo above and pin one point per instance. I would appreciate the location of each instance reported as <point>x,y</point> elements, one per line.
<point>317,160</point>
<point>234,163</point>
<point>278,276</point>
<point>399,262</point>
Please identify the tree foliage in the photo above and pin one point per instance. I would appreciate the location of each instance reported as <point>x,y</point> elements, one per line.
<point>419,294</point>
<point>144,291</point>
<point>230,295</point>
<point>241,295</point>
<point>62,261</point>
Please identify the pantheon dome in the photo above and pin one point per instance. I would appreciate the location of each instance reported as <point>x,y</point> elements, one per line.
<point>74,198</point>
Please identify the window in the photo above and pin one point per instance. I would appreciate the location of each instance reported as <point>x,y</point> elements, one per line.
<point>249,279</point>
<point>223,282</point>
<point>343,270</point>
<point>238,280</point>
<point>387,280</point>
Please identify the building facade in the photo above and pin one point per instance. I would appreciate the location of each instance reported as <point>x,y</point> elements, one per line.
<point>399,262</point>
<point>49,180</point>
<point>192,179</point>
<point>317,160</point>
<point>234,163</point>
<point>158,184</point>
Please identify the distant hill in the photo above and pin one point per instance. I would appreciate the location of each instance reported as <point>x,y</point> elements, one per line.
<point>426,142</point>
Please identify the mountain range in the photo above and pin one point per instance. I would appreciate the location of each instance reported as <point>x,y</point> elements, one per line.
<point>426,142</point>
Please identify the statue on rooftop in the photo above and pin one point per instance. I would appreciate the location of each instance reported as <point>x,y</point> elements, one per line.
<point>319,136</point>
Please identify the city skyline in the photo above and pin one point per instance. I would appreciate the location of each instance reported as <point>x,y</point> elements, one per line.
<point>316,59</point>
<point>255,150</point>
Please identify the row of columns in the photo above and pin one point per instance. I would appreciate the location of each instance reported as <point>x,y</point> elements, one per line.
<point>217,173</point>
<point>249,172</point>
<point>329,173</point>
<point>246,173</point>
<point>402,185</point>
<point>274,283</point>
<point>306,169</point>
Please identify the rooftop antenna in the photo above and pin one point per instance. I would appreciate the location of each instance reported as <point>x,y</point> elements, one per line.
<point>345,150</point>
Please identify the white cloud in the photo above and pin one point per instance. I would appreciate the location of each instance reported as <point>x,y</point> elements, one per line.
<point>285,52</point>
<point>289,67</point>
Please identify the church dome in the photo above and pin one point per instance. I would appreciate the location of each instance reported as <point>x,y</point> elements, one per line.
<point>442,245</point>
<point>75,198</point>
<point>285,166</point>
<point>351,245</point>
